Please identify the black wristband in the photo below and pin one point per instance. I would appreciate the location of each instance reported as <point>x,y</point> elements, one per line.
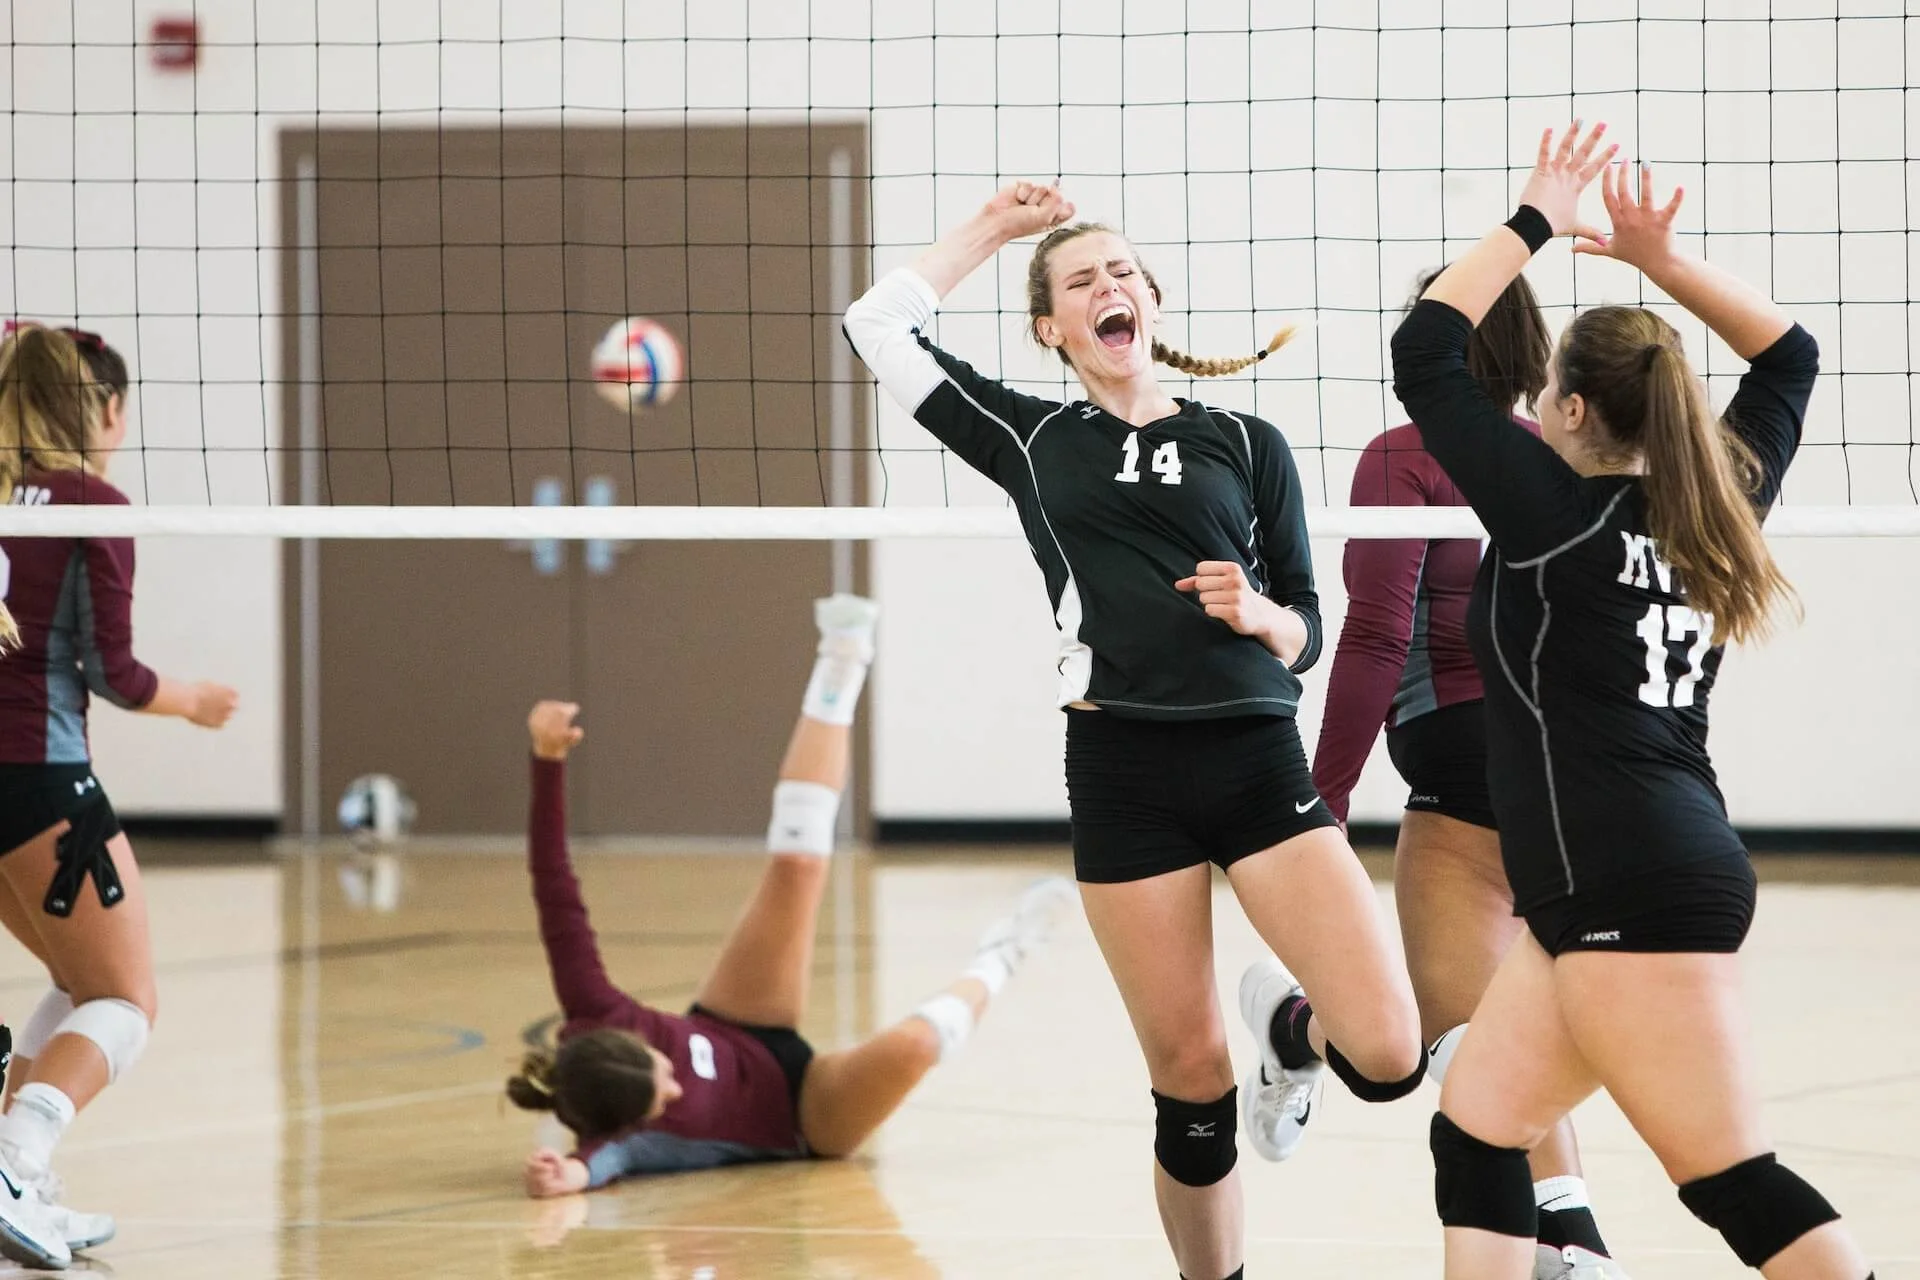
<point>1532,226</point>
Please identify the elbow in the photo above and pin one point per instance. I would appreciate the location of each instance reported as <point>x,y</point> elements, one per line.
<point>1309,615</point>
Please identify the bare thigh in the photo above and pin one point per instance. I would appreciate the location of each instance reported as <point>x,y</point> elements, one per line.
<point>846,1095</point>
<point>1312,903</point>
<point>762,973</point>
<point>1667,1035</point>
<point>1518,1068</point>
<point>1157,938</point>
<point>1456,914</point>
<point>98,951</point>
<point>19,917</point>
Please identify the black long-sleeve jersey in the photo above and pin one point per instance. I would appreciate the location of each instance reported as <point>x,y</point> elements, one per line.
<point>1115,516</point>
<point>1597,671</point>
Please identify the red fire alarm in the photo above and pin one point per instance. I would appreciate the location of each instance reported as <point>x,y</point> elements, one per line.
<point>176,43</point>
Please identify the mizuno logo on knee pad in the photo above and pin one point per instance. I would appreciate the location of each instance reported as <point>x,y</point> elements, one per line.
<point>1200,1130</point>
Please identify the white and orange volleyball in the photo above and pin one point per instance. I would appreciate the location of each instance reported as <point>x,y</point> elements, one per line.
<point>638,365</point>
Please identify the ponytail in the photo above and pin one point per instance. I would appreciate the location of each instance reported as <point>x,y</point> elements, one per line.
<point>1218,366</point>
<point>531,1089</point>
<point>596,1083</point>
<point>1700,483</point>
<point>1700,479</point>
<point>9,631</point>
<point>49,405</point>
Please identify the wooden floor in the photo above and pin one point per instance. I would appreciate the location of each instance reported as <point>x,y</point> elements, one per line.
<point>322,1095</point>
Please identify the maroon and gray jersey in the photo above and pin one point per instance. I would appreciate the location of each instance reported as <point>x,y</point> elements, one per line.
<point>735,1105</point>
<point>1403,648</point>
<point>73,599</point>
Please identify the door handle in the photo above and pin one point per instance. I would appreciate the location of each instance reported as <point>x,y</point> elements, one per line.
<point>549,554</point>
<point>601,551</point>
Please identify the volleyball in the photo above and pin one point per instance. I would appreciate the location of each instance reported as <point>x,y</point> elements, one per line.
<point>376,809</point>
<point>637,364</point>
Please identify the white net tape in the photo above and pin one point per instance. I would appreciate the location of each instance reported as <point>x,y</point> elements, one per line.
<point>629,524</point>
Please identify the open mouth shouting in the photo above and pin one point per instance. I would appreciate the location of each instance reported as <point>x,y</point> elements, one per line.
<point>1115,327</point>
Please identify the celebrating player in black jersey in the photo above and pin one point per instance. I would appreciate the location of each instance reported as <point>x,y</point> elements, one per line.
<point>1626,549</point>
<point>1173,543</point>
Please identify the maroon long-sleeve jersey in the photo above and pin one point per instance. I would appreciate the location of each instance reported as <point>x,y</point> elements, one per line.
<point>73,599</point>
<point>1403,648</point>
<point>735,1106</point>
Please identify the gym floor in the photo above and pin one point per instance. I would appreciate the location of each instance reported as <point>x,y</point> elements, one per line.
<point>322,1095</point>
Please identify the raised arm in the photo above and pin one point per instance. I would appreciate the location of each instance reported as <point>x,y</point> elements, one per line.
<point>1017,209</point>
<point>573,955</point>
<point>1771,405</point>
<point>1527,497</point>
<point>984,422</point>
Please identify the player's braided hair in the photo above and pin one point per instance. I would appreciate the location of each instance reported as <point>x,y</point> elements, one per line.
<point>596,1083</point>
<point>1701,478</point>
<point>1040,303</point>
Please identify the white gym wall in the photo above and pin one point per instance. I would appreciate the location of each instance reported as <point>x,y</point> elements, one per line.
<point>156,199</point>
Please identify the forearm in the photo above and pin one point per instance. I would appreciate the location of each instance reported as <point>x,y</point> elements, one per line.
<point>1746,319</point>
<point>957,254</point>
<point>170,698</point>
<point>1477,278</point>
<point>1286,634</point>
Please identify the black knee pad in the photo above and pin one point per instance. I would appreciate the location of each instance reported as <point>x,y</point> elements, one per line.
<point>1193,1141</point>
<point>1373,1090</point>
<point>1478,1185</point>
<point>1759,1207</point>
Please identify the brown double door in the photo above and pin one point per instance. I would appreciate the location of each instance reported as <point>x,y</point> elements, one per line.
<point>455,284</point>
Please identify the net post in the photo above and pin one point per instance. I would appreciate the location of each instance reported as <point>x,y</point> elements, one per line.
<point>308,253</point>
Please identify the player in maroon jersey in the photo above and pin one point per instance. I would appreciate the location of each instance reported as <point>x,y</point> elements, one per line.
<point>1403,661</point>
<point>731,1081</point>
<point>69,888</point>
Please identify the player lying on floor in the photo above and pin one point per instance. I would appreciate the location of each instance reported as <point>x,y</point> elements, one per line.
<point>731,1080</point>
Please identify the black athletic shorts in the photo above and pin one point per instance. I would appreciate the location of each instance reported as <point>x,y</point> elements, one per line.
<point>1702,907</point>
<point>1442,757</point>
<point>1153,796</point>
<point>787,1046</point>
<point>35,797</point>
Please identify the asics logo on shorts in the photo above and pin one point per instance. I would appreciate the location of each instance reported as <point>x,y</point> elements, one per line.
<point>1601,935</point>
<point>1200,1130</point>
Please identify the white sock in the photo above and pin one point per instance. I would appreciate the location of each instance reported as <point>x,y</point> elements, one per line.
<point>833,691</point>
<point>951,1019</point>
<point>1564,1192</point>
<point>991,969</point>
<point>33,1126</point>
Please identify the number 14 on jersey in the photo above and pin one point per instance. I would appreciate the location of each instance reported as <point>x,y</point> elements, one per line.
<point>1166,461</point>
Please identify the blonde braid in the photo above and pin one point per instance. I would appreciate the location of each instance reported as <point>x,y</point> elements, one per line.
<point>1218,366</point>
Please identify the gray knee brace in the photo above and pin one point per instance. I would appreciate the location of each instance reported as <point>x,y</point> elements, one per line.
<point>1193,1141</point>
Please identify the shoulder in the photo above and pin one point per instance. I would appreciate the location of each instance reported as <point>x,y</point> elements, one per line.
<point>74,488</point>
<point>1257,432</point>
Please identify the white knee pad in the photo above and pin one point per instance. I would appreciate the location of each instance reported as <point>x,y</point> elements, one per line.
<point>1440,1056</point>
<point>804,814</point>
<point>43,1024</point>
<point>951,1019</point>
<point>118,1027</point>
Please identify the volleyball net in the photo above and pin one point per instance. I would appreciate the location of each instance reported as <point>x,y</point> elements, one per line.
<point>359,259</point>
